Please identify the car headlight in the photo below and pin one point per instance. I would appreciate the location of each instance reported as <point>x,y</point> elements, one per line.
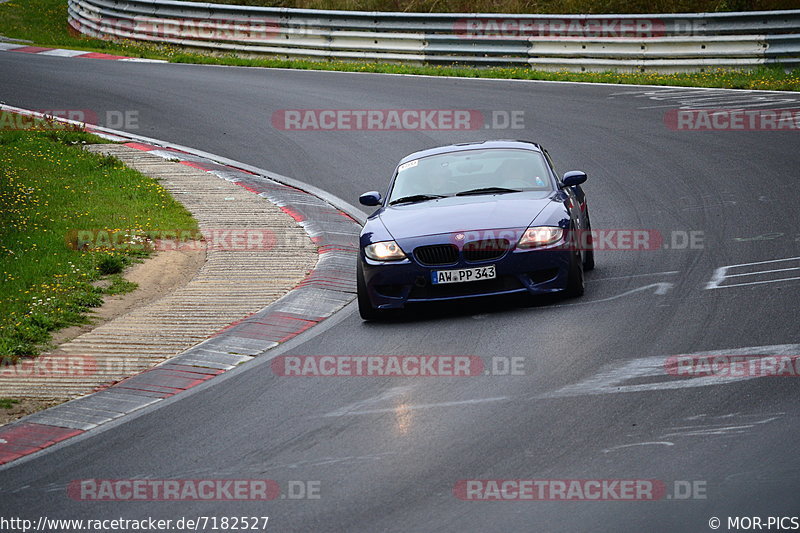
<point>384,251</point>
<point>537,236</point>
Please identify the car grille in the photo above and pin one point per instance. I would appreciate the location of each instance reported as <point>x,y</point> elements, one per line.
<point>439,254</point>
<point>485,250</point>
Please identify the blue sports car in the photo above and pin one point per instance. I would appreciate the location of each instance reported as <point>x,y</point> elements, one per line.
<point>470,220</point>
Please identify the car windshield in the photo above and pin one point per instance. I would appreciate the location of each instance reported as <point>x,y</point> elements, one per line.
<point>468,172</point>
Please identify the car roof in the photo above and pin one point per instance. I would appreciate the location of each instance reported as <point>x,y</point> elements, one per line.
<point>479,145</point>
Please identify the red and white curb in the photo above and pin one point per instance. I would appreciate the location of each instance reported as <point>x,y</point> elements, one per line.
<point>61,52</point>
<point>328,288</point>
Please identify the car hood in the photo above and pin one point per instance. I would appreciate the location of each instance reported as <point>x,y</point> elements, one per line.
<point>464,213</point>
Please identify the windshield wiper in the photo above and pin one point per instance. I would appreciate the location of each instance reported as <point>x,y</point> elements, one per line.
<point>487,190</point>
<point>416,198</point>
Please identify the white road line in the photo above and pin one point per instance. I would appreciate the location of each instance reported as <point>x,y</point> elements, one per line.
<point>702,98</point>
<point>700,431</point>
<point>654,443</point>
<point>661,289</point>
<point>790,104</point>
<point>761,272</point>
<point>412,407</point>
<point>669,272</point>
<point>613,379</point>
<point>394,392</point>
<point>721,274</point>
<point>765,262</point>
<point>325,461</point>
<point>702,426</point>
<point>753,283</point>
<point>726,430</point>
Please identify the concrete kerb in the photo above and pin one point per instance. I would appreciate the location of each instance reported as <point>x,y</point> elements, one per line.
<point>331,223</point>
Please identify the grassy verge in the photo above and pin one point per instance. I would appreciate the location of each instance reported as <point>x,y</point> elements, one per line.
<point>44,23</point>
<point>7,403</point>
<point>764,78</point>
<point>49,189</point>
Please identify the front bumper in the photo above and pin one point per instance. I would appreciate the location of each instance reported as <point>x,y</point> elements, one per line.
<point>390,285</point>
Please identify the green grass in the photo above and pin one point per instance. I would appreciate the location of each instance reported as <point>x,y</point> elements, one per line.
<point>120,285</point>
<point>45,23</point>
<point>763,78</point>
<point>7,403</point>
<point>49,189</point>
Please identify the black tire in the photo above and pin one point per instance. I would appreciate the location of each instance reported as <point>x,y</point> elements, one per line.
<point>575,282</point>
<point>365,308</point>
<point>588,257</point>
<point>588,260</point>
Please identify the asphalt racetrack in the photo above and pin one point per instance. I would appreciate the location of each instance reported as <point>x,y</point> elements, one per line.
<point>592,401</point>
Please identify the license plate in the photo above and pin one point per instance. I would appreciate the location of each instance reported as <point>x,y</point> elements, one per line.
<point>461,275</point>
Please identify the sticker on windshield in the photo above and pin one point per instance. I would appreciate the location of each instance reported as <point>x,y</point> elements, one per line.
<point>406,166</point>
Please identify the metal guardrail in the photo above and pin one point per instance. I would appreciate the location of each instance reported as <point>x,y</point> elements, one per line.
<point>661,43</point>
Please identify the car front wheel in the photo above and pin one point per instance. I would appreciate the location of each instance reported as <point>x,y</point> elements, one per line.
<point>575,281</point>
<point>588,256</point>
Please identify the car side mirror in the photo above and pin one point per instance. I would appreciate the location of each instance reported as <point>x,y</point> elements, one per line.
<point>573,178</point>
<point>371,198</point>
